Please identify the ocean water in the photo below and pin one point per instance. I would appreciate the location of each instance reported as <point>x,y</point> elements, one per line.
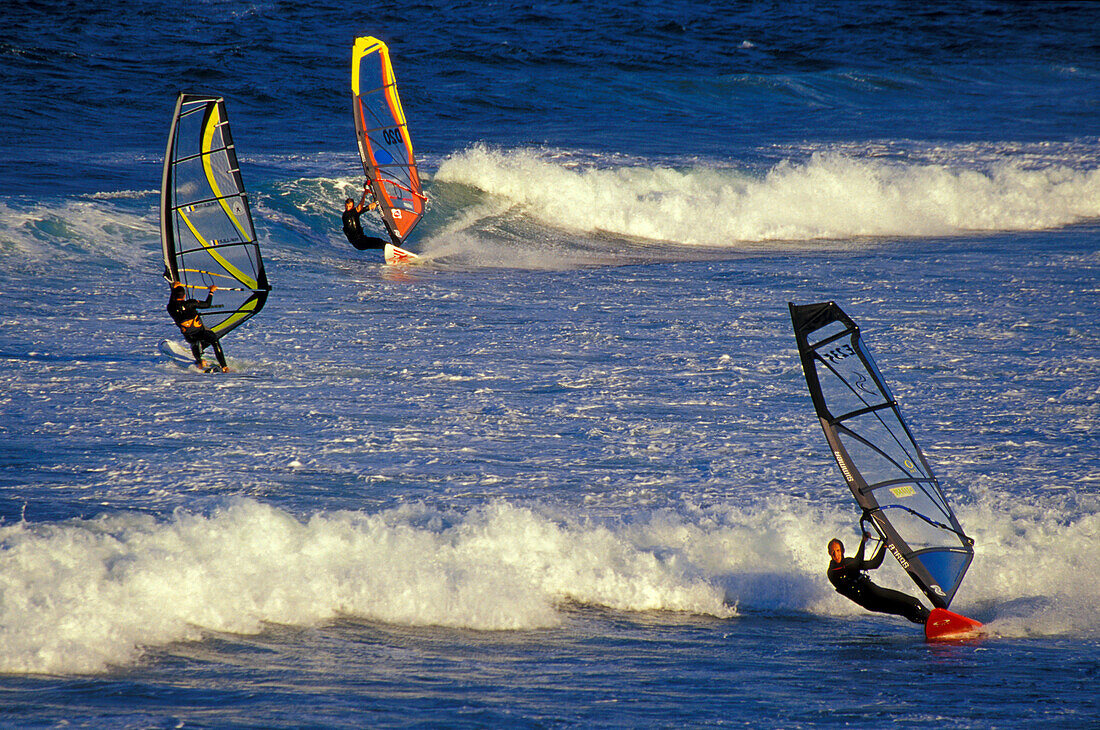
<point>567,473</point>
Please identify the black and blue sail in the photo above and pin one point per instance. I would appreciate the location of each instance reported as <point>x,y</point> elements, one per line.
<point>876,452</point>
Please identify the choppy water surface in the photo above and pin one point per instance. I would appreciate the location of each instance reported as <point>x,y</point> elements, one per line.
<point>566,473</point>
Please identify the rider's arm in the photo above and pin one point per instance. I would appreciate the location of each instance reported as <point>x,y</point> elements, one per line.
<point>205,304</point>
<point>859,553</point>
<point>876,559</point>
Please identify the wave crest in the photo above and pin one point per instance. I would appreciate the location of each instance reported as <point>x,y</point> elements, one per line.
<point>828,196</point>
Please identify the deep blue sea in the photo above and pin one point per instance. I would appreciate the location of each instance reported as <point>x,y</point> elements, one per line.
<point>567,473</point>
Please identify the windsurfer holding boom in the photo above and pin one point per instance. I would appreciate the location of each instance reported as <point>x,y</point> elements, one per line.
<point>185,313</point>
<point>353,229</point>
<point>848,577</point>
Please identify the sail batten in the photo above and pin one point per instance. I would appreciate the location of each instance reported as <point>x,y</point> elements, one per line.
<point>864,411</point>
<point>385,147</point>
<point>884,467</point>
<point>207,234</point>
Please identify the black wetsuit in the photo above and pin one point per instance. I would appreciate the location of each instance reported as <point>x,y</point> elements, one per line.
<point>185,313</point>
<point>850,581</point>
<point>354,231</point>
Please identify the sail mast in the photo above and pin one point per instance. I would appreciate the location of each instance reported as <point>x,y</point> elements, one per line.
<point>167,236</point>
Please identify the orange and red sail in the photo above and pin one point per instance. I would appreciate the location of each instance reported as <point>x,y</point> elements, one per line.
<point>384,144</point>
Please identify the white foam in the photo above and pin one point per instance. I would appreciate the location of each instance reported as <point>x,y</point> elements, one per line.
<point>828,196</point>
<point>91,229</point>
<point>123,194</point>
<point>1034,570</point>
<point>84,595</point>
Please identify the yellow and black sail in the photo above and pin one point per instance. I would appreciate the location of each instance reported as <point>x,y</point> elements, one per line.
<point>206,224</point>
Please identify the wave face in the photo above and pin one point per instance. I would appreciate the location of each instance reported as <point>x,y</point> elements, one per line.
<point>549,209</point>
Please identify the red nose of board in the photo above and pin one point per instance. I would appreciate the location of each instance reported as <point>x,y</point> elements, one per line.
<point>942,625</point>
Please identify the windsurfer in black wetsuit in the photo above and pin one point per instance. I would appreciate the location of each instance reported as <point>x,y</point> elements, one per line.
<point>354,230</point>
<point>847,576</point>
<point>185,313</point>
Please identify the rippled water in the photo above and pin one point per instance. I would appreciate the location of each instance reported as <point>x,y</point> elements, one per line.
<point>567,472</point>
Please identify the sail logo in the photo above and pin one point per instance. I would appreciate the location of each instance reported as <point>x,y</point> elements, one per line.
<point>937,590</point>
<point>898,555</point>
<point>843,467</point>
<point>902,492</point>
<point>861,383</point>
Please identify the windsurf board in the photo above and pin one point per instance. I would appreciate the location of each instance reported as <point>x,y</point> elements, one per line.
<point>396,255</point>
<point>943,625</point>
<point>181,355</point>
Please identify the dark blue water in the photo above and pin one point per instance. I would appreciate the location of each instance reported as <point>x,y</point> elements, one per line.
<point>567,473</point>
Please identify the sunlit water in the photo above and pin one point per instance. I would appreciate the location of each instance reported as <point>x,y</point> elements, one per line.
<point>565,473</point>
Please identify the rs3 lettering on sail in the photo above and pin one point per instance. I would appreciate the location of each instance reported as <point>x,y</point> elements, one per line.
<point>838,353</point>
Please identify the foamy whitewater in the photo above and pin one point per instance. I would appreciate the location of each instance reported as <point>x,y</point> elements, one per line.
<point>90,594</point>
<point>827,196</point>
<point>566,473</point>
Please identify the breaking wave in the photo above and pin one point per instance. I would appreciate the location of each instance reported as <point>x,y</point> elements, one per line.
<point>829,195</point>
<point>85,595</point>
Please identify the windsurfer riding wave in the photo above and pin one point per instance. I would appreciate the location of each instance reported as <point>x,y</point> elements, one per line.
<point>848,577</point>
<point>353,229</point>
